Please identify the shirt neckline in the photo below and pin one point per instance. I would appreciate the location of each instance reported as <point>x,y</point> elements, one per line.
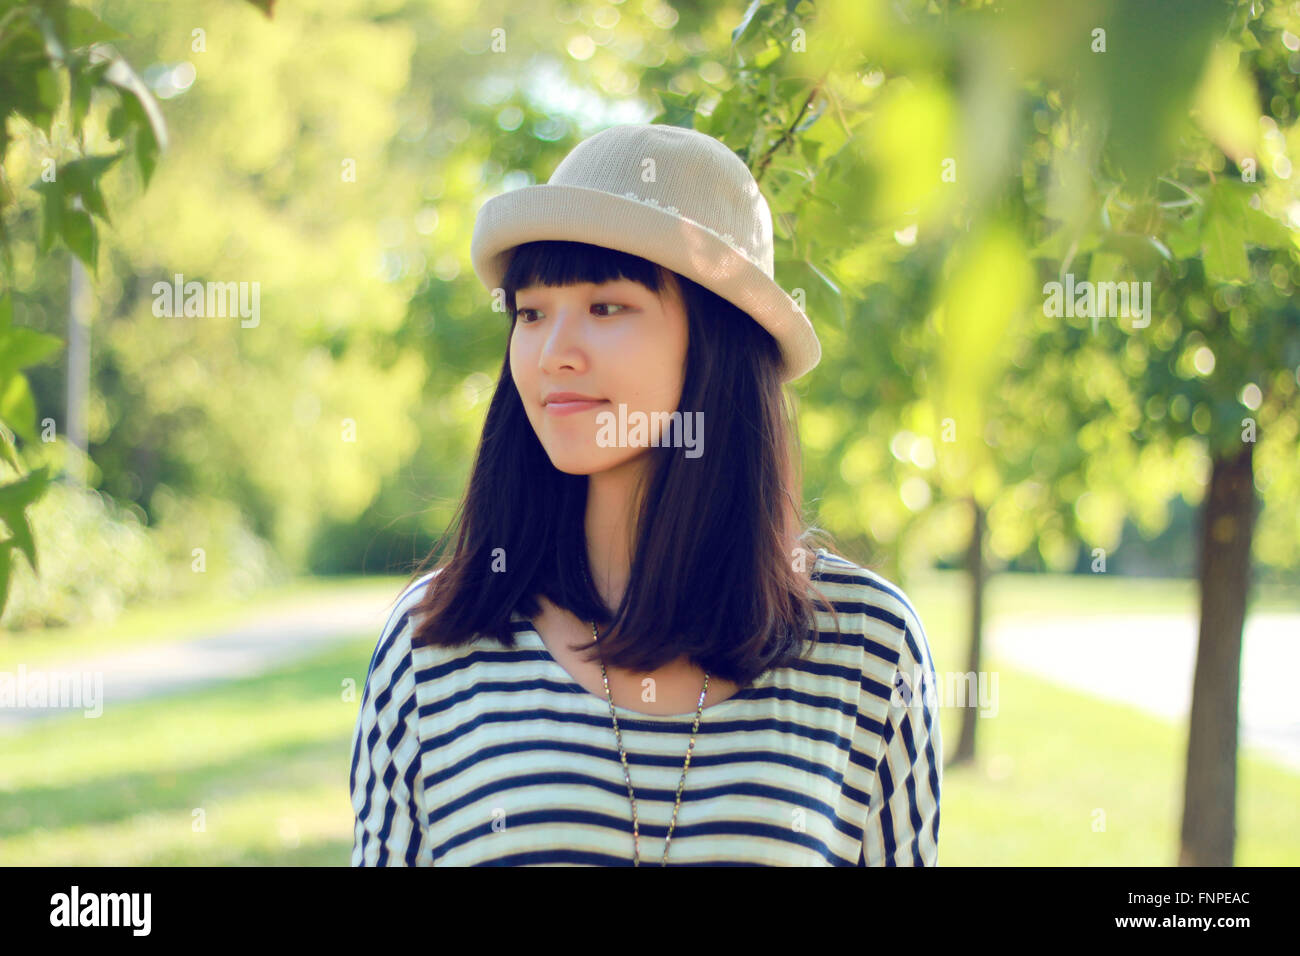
<point>624,712</point>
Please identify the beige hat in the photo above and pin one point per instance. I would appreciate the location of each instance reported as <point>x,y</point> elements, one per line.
<point>674,196</point>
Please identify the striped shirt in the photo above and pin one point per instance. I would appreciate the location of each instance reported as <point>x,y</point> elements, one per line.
<point>480,755</point>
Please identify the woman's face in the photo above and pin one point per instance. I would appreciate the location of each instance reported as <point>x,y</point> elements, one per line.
<point>617,342</point>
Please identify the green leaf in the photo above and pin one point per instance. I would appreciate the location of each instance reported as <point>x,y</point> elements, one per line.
<point>810,150</point>
<point>18,409</point>
<point>1224,250</point>
<point>1223,238</point>
<point>80,235</point>
<point>93,200</point>
<point>679,109</point>
<point>5,549</point>
<point>83,172</point>
<point>21,538</point>
<point>84,79</point>
<point>9,450</point>
<point>737,33</point>
<point>84,28</point>
<point>1184,237</point>
<point>63,219</point>
<point>119,124</point>
<point>1265,231</point>
<point>29,87</point>
<point>16,496</point>
<point>1142,253</point>
<point>21,347</point>
<point>82,177</point>
<point>55,201</point>
<point>767,56</point>
<point>147,144</point>
<point>47,87</point>
<point>140,109</point>
<point>717,122</point>
<point>822,295</point>
<point>25,490</point>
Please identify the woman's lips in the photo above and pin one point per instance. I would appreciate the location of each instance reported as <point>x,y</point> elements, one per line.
<point>572,408</point>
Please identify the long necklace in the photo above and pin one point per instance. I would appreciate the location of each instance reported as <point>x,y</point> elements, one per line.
<point>622,755</point>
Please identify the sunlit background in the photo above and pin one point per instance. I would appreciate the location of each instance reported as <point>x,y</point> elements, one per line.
<point>1082,504</point>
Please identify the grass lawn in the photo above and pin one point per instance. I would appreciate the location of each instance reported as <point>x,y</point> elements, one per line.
<point>1062,778</point>
<point>255,772</point>
<point>248,772</point>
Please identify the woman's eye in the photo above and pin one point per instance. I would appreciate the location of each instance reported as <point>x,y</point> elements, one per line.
<point>523,315</point>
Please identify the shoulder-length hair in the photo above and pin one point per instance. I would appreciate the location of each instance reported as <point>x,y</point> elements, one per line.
<point>721,547</point>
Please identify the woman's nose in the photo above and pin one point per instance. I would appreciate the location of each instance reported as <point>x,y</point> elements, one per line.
<point>564,338</point>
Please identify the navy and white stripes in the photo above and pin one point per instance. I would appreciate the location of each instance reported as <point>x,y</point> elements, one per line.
<point>387,791</point>
<point>485,756</point>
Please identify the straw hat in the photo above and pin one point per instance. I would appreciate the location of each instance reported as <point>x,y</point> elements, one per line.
<point>674,196</point>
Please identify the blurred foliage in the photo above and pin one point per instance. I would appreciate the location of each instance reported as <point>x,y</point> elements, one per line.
<point>53,65</point>
<point>57,67</point>
<point>966,156</point>
<point>930,168</point>
<point>98,557</point>
<point>19,348</point>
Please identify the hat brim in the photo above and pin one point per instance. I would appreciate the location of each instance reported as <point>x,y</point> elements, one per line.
<point>577,214</point>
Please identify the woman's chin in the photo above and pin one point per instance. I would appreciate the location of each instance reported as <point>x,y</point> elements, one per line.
<point>583,462</point>
<point>577,464</point>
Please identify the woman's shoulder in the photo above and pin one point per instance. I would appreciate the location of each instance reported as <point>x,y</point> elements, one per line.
<point>395,636</point>
<point>871,604</point>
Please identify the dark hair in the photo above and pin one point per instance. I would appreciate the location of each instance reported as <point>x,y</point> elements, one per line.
<point>717,536</point>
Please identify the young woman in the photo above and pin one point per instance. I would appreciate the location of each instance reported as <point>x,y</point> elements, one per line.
<point>631,641</point>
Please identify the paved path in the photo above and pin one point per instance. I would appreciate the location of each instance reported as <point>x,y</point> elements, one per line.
<point>274,638</point>
<point>1148,661</point>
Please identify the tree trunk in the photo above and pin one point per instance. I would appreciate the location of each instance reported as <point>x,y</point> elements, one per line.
<point>975,567</point>
<point>1210,789</point>
<point>78,382</point>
